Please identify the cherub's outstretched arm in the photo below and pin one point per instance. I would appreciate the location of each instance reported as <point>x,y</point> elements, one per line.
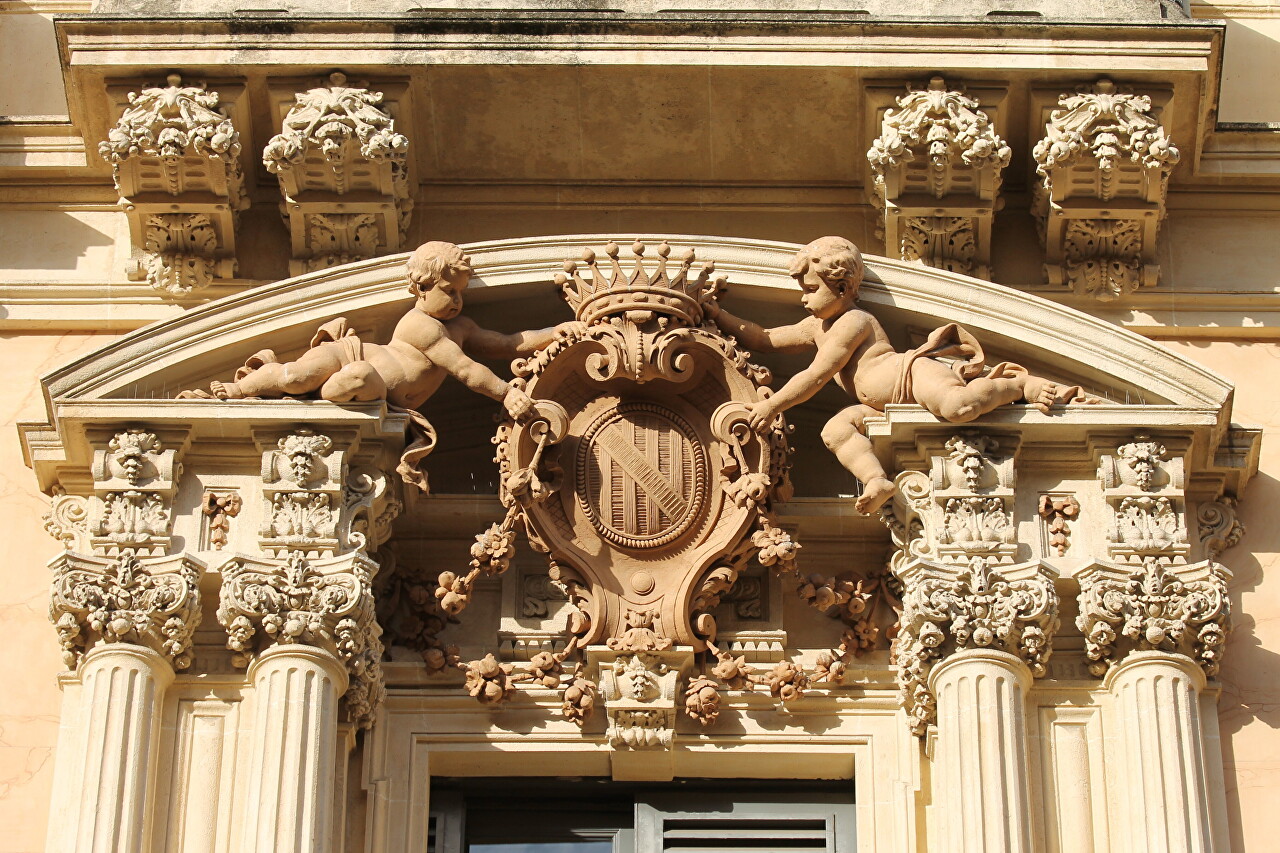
<point>838,346</point>
<point>794,338</point>
<point>490,344</point>
<point>443,352</point>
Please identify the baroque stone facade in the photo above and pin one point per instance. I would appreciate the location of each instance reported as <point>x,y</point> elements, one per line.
<point>912,510</point>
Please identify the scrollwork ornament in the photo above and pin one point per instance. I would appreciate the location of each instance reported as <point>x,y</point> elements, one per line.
<point>323,603</point>
<point>1219,526</point>
<point>155,603</point>
<point>1184,610</point>
<point>953,609</point>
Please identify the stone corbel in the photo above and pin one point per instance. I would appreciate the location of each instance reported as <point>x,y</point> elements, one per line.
<point>343,171</point>
<point>325,604</point>
<point>152,602</point>
<point>947,609</point>
<point>1143,484</point>
<point>641,691</point>
<point>936,171</point>
<point>135,478</point>
<point>175,158</point>
<point>1104,164</point>
<point>1182,610</point>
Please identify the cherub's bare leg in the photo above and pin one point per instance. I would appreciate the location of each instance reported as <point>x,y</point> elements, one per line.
<point>358,380</point>
<point>842,437</point>
<point>306,374</point>
<point>950,398</point>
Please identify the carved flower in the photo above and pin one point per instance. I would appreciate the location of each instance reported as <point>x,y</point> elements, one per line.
<point>490,681</point>
<point>776,547</point>
<point>702,700</point>
<point>492,551</point>
<point>830,668</point>
<point>787,681</point>
<point>579,699</point>
<point>545,669</point>
<point>733,671</point>
<point>931,635</point>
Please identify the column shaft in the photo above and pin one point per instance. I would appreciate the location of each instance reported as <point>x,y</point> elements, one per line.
<point>1160,745</point>
<point>980,764</point>
<point>288,808</point>
<point>113,785</point>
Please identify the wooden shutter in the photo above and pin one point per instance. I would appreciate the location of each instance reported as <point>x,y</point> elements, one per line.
<point>696,824</point>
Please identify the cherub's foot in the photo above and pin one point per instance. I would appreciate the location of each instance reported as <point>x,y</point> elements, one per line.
<point>1040,393</point>
<point>874,494</point>
<point>195,394</point>
<point>1068,394</point>
<point>226,390</point>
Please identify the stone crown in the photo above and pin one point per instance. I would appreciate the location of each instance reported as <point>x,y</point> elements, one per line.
<point>639,295</point>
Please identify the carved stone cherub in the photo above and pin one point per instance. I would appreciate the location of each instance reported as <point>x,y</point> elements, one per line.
<point>853,349</point>
<point>432,340</point>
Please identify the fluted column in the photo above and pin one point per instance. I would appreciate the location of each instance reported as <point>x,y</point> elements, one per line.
<point>1157,632</point>
<point>1156,712</point>
<point>125,623</point>
<point>296,689</point>
<point>972,639</point>
<point>121,694</point>
<point>980,761</point>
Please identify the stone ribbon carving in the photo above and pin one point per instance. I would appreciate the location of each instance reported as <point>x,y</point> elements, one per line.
<point>1104,165</point>
<point>936,170</point>
<point>151,601</point>
<point>135,478</point>
<point>343,172</point>
<point>1183,610</point>
<point>322,602</point>
<point>946,609</point>
<point>174,154</point>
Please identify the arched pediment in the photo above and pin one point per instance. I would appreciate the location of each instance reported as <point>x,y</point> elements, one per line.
<point>209,341</point>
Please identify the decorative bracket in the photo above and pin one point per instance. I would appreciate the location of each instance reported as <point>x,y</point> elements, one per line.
<point>936,178</point>
<point>1104,165</point>
<point>175,158</point>
<point>343,171</point>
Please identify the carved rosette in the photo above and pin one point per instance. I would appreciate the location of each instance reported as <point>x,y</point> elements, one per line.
<point>177,143</point>
<point>946,609</point>
<point>154,602</point>
<point>1182,610</point>
<point>337,143</point>
<point>326,603</point>
<point>1104,165</point>
<point>135,478</point>
<point>1142,483</point>
<point>936,172</point>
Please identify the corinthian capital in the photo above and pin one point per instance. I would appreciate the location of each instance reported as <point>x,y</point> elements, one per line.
<point>1183,610</point>
<point>153,602</point>
<point>947,609</point>
<point>326,603</point>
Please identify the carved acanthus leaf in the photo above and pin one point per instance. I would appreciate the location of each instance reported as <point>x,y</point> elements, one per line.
<point>1107,125</point>
<point>326,603</point>
<point>147,601</point>
<point>1183,610</point>
<point>947,609</point>
<point>135,479</point>
<point>172,122</point>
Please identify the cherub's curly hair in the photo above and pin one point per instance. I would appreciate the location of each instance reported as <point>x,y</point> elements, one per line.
<point>427,265</point>
<point>844,260</point>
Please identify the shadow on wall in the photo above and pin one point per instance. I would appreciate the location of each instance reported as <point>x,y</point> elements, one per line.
<point>49,240</point>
